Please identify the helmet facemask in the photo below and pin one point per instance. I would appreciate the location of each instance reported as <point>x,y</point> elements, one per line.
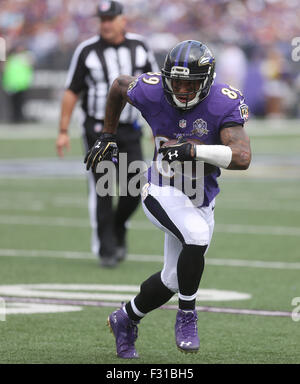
<point>199,86</point>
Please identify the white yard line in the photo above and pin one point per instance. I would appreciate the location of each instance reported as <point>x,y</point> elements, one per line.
<point>45,221</point>
<point>93,303</point>
<point>145,226</point>
<point>228,205</point>
<point>147,258</point>
<point>258,229</point>
<point>21,204</point>
<point>18,200</point>
<point>45,130</point>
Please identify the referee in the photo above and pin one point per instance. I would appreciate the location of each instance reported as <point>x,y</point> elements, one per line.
<point>94,66</point>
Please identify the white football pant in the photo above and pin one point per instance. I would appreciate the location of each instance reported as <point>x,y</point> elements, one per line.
<point>181,221</point>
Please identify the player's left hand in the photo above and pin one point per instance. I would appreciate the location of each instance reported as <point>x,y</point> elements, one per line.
<point>181,151</point>
<point>105,148</point>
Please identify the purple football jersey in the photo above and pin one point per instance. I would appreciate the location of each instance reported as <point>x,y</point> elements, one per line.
<point>224,106</point>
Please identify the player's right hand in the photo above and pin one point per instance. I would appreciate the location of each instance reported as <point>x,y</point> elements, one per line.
<point>105,148</point>
<point>182,150</point>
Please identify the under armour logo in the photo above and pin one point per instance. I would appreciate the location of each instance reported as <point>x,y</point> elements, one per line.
<point>98,145</point>
<point>175,154</point>
<point>184,343</point>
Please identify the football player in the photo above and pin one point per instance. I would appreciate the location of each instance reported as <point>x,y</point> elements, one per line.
<point>182,101</point>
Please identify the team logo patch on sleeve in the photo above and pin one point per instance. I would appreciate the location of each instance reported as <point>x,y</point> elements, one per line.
<point>244,111</point>
<point>132,84</point>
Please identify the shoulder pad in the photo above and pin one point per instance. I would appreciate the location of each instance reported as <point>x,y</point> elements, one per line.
<point>146,89</point>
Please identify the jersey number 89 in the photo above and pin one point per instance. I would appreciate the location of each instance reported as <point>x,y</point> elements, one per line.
<point>153,80</point>
<point>231,92</point>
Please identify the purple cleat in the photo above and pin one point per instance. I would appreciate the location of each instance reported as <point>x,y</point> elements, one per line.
<point>125,331</point>
<point>186,331</point>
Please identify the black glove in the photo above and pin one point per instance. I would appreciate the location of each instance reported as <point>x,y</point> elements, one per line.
<point>105,148</point>
<point>181,151</point>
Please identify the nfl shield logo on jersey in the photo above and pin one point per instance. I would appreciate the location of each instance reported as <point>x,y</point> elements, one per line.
<point>200,127</point>
<point>182,123</point>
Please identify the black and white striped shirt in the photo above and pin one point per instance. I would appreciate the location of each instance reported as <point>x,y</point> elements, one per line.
<point>94,66</point>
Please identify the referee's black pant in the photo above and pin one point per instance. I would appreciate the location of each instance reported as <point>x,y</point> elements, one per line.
<point>108,221</point>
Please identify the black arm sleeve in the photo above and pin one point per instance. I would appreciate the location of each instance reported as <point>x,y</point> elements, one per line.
<point>231,124</point>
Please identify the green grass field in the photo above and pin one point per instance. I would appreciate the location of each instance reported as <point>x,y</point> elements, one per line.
<point>45,239</point>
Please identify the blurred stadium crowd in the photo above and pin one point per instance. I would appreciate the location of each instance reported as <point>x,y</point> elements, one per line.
<point>252,39</point>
